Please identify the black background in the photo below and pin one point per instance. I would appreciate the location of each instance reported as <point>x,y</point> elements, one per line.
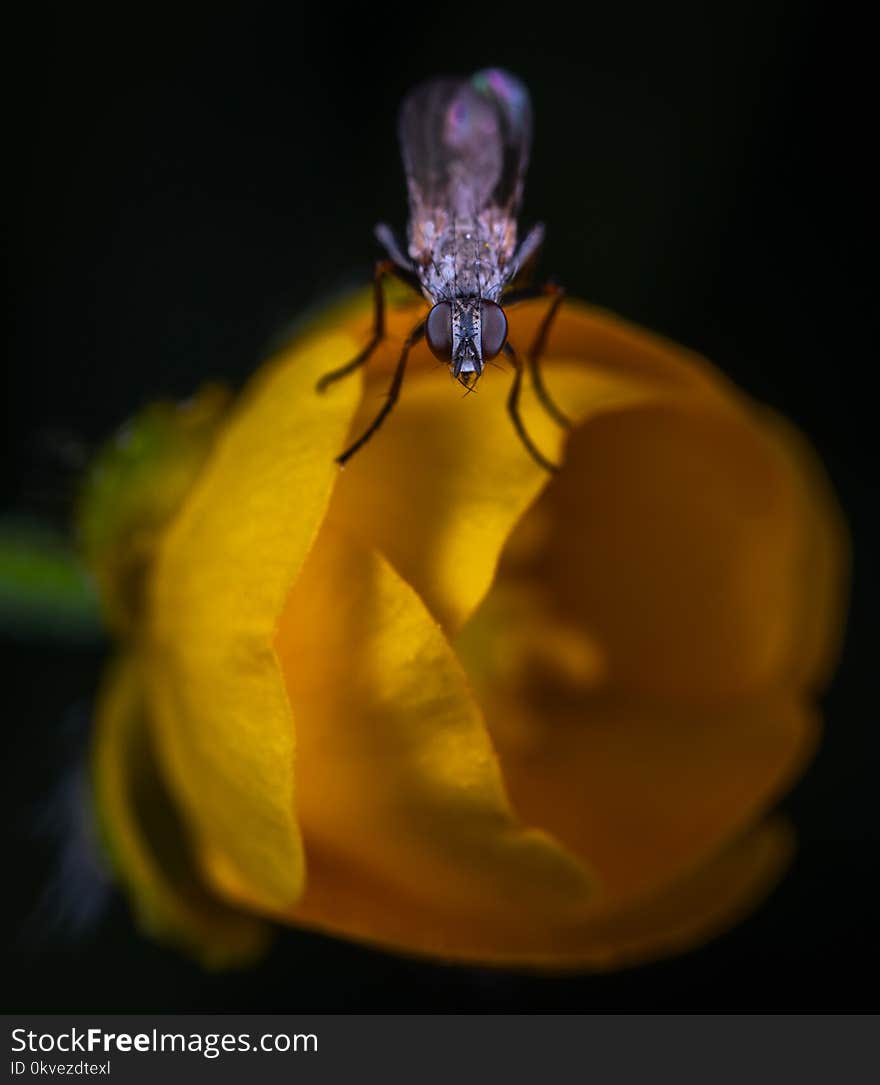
<point>182,187</point>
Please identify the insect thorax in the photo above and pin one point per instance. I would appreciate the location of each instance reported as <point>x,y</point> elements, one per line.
<point>470,259</point>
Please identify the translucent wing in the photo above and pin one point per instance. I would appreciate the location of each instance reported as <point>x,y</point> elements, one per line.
<point>465,144</point>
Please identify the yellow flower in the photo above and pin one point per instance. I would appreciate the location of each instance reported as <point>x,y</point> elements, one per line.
<point>443,702</point>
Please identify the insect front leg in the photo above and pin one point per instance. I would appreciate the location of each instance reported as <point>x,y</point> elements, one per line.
<point>533,357</point>
<point>513,410</point>
<point>383,269</point>
<point>393,392</point>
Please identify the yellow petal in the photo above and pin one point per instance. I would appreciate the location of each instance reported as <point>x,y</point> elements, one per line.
<point>439,488</point>
<point>398,790</point>
<point>148,842</point>
<point>225,734</point>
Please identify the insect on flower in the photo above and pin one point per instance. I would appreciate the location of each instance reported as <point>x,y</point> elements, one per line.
<point>465,147</point>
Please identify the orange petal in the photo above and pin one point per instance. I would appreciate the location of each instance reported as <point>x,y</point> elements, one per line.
<point>678,537</point>
<point>225,734</point>
<point>644,790</point>
<point>615,349</point>
<point>817,628</point>
<point>701,905</point>
<point>148,842</point>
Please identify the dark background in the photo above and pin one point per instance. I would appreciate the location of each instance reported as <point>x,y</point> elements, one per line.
<point>182,187</point>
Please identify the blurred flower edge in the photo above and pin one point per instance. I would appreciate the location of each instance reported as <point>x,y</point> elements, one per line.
<point>439,701</point>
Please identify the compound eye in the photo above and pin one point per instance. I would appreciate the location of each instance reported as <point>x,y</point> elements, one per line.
<point>438,331</point>
<point>493,329</point>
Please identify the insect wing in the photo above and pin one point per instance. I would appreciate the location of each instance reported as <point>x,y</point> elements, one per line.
<point>465,144</point>
<point>513,108</point>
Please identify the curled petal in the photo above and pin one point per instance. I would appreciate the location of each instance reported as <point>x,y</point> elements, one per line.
<point>398,790</point>
<point>223,723</point>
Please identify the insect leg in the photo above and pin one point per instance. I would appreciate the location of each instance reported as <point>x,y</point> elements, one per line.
<point>523,293</point>
<point>393,392</point>
<point>516,418</point>
<point>537,349</point>
<point>533,358</point>
<point>383,269</point>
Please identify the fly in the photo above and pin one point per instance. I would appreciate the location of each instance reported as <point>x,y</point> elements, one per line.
<point>465,148</point>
